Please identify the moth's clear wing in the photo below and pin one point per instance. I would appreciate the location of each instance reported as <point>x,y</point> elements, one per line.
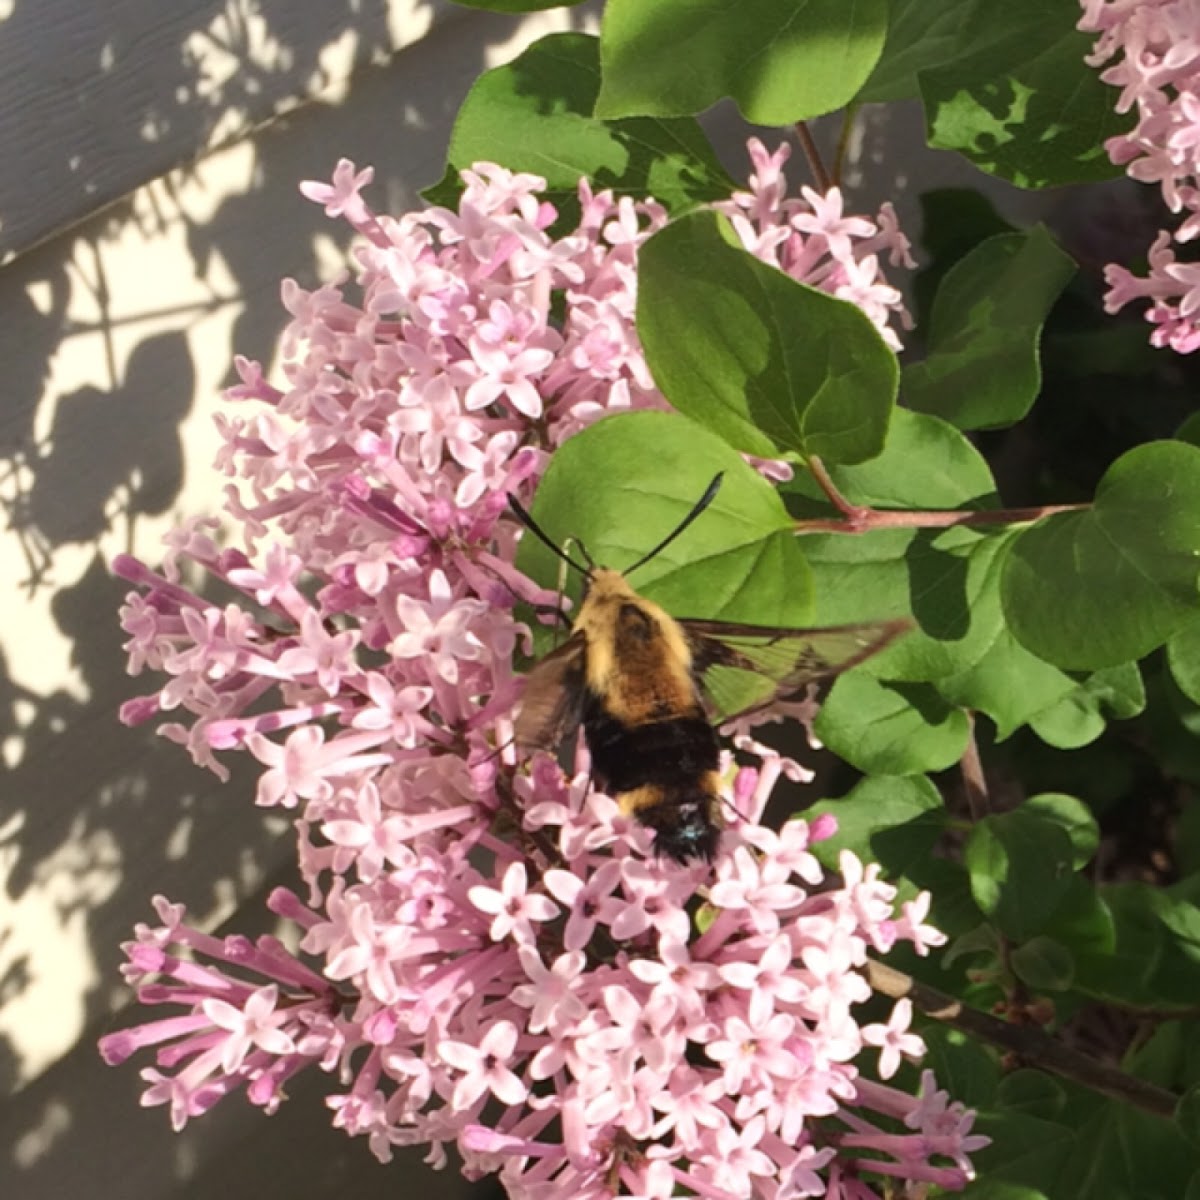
<point>743,668</point>
<point>552,703</point>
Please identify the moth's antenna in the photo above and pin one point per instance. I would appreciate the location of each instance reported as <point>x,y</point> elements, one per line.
<point>697,508</point>
<point>522,515</point>
<point>587,558</point>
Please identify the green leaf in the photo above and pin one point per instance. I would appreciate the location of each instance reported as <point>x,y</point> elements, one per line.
<point>962,1066</point>
<point>771,365</point>
<point>1073,817</point>
<point>1189,430</point>
<point>1155,962</point>
<point>1020,867</point>
<point>954,910</point>
<point>1080,717</point>
<point>1020,101</point>
<point>535,114</point>
<point>948,580</point>
<point>1096,1150</point>
<point>892,820</point>
<point>953,473</point>
<point>1098,588</point>
<point>1169,1056</point>
<point>982,369</point>
<point>1024,1159</point>
<point>941,577</point>
<point>1044,964</point>
<point>622,484</point>
<point>1008,683</point>
<point>1183,657</point>
<point>980,939</point>
<point>998,1189</point>
<point>779,60</point>
<point>921,34</point>
<point>1082,921</point>
<point>890,729</point>
<point>1171,732</point>
<point>1033,1093</point>
<point>953,221</point>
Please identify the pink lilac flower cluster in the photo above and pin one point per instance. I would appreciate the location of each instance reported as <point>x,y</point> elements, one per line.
<point>1156,48</point>
<point>490,954</point>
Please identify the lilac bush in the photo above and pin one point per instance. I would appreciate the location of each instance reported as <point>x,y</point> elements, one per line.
<point>490,954</point>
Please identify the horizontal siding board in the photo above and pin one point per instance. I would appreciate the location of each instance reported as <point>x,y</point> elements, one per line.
<point>97,99</point>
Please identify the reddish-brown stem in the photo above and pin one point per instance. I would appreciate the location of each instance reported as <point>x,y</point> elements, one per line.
<point>815,164</point>
<point>1028,1043</point>
<point>859,518</point>
<point>876,518</point>
<point>852,512</point>
<point>974,780</point>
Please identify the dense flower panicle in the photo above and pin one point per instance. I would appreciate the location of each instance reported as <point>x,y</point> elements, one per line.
<point>501,962</point>
<point>1153,48</point>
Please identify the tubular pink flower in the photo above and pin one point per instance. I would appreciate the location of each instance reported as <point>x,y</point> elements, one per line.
<point>485,1067</point>
<point>894,1040</point>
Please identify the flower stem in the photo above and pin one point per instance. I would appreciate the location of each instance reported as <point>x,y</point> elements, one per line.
<point>973,777</point>
<point>816,165</point>
<point>859,518</point>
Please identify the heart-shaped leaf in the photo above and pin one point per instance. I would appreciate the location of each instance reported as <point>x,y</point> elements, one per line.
<point>771,365</point>
<point>1100,587</point>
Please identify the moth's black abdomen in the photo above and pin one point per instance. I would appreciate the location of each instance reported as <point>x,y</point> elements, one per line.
<point>663,772</point>
<point>663,753</point>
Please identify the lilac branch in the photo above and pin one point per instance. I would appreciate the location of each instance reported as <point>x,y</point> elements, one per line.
<point>860,518</point>
<point>1026,1042</point>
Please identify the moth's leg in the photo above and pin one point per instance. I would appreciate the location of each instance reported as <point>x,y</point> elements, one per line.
<point>563,620</point>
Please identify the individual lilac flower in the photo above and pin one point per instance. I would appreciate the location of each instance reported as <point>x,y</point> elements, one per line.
<point>343,197</point>
<point>894,1040</point>
<point>254,1025</point>
<point>769,980</point>
<point>584,899</point>
<point>301,769</point>
<point>549,993</point>
<point>327,657</point>
<point>485,1067</point>
<point>514,909</point>
<point>439,631</point>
